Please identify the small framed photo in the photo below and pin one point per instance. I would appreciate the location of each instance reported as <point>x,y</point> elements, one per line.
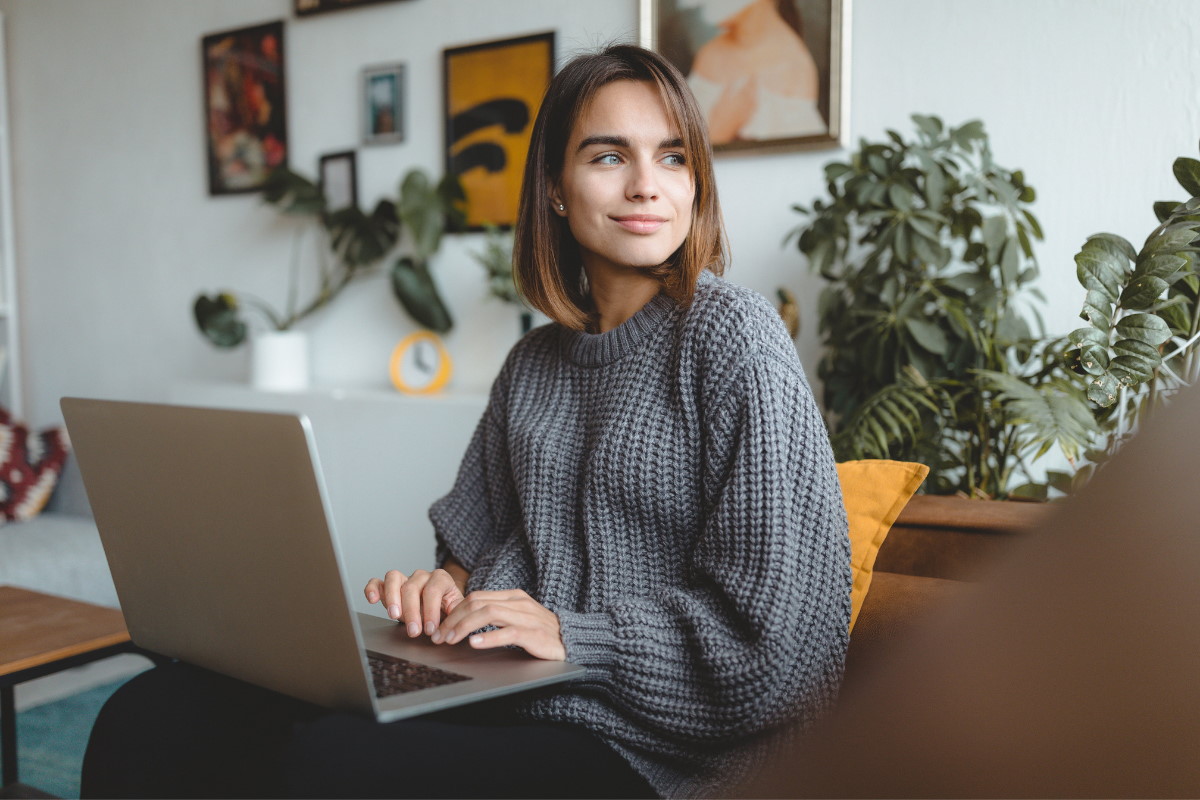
<point>769,75</point>
<point>383,104</point>
<point>492,94</point>
<point>339,180</point>
<point>245,112</point>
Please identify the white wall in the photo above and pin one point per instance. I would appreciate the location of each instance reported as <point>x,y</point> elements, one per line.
<point>116,232</point>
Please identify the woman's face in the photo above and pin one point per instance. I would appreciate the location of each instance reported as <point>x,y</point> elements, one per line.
<point>626,183</point>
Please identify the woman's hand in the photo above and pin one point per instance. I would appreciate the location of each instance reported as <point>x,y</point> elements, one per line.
<point>421,599</point>
<point>518,618</point>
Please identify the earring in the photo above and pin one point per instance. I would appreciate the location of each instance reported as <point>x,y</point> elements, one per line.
<point>561,207</point>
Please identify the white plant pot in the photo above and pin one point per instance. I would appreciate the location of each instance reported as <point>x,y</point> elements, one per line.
<point>279,361</point>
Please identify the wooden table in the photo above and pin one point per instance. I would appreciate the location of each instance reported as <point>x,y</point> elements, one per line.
<point>41,634</point>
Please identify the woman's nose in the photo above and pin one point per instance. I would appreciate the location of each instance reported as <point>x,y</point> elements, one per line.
<point>643,184</point>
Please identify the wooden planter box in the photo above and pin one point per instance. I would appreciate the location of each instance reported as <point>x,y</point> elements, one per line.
<point>954,537</point>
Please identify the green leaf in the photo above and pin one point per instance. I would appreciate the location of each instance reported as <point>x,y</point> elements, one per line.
<point>1187,172</point>
<point>218,319</point>
<point>1100,270</point>
<point>1097,309</point>
<point>360,241</point>
<point>1010,263</point>
<point>1102,390</point>
<point>1082,336</point>
<point>995,234</point>
<point>930,125</point>
<point>1174,238</point>
<point>1131,370</point>
<point>1093,359</point>
<point>929,251</point>
<point>292,193</point>
<point>1164,208</point>
<point>1176,317</point>
<point>414,288</point>
<point>1145,328</point>
<point>1034,225</point>
<point>1165,266</point>
<point>1110,242</point>
<point>928,335</point>
<point>901,196</point>
<point>836,169</point>
<point>968,133</point>
<point>1051,413</point>
<point>935,184</point>
<point>1137,358</point>
<point>1141,293</point>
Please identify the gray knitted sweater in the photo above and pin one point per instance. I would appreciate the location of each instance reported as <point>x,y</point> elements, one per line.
<point>668,490</point>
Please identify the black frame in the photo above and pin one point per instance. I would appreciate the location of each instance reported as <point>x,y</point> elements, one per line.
<point>329,162</point>
<point>275,91</point>
<point>306,8</point>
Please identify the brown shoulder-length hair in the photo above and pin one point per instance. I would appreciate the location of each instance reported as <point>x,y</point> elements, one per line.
<point>546,259</point>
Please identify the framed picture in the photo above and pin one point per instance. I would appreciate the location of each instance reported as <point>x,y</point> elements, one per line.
<point>305,8</point>
<point>244,107</point>
<point>769,75</point>
<point>339,180</point>
<point>492,93</point>
<point>383,104</point>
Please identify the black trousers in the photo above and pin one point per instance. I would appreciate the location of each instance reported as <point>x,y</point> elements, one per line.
<point>180,731</point>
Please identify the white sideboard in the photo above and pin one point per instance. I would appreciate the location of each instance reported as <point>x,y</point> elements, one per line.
<point>385,457</point>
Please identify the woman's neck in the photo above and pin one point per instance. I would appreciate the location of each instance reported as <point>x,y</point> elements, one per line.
<point>619,295</point>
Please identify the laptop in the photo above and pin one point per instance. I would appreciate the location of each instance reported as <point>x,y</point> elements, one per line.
<point>218,532</point>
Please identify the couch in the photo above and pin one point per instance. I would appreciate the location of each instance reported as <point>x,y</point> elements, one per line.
<point>59,550</point>
<point>932,554</point>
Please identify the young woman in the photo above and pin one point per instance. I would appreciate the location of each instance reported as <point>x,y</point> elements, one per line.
<point>650,493</point>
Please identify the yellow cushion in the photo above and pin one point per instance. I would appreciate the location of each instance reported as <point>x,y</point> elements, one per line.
<point>875,491</point>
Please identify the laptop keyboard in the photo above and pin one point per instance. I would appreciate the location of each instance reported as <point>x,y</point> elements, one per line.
<point>394,675</point>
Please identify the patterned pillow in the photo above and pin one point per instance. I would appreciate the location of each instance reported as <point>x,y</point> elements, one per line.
<point>30,463</point>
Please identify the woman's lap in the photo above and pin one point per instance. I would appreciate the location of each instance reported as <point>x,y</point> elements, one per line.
<point>181,731</point>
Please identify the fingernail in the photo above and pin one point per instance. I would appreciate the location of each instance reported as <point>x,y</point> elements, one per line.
<point>372,597</point>
<point>414,630</point>
<point>394,611</point>
<point>476,641</point>
<point>437,637</point>
<point>430,628</point>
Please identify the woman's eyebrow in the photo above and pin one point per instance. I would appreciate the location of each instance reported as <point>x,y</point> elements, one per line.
<point>621,141</point>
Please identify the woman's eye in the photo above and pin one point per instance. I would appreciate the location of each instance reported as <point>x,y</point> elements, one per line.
<point>675,159</point>
<point>607,158</point>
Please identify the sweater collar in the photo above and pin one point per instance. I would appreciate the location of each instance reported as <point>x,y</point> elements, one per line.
<point>598,349</point>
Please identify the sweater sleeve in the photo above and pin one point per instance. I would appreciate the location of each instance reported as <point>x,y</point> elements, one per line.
<point>757,635</point>
<point>481,507</point>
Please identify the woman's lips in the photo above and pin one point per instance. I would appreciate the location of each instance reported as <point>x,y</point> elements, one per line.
<point>640,223</point>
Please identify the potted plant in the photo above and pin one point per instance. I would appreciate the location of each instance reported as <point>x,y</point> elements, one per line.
<point>1142,307</point>
<point>356,241</point>
<point>926,246</point>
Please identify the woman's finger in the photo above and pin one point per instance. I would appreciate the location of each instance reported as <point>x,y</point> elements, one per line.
<point>410,602</point>
<point>392,581</point>
<point>373,590</point>
<point>439,593</point>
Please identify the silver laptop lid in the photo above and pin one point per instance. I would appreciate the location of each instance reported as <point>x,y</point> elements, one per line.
<point>205,513</point>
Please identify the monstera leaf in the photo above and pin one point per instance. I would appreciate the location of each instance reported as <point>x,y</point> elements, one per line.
<point>414,288</point>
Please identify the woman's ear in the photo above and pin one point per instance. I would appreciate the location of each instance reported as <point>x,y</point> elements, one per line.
<point>556,202</point>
